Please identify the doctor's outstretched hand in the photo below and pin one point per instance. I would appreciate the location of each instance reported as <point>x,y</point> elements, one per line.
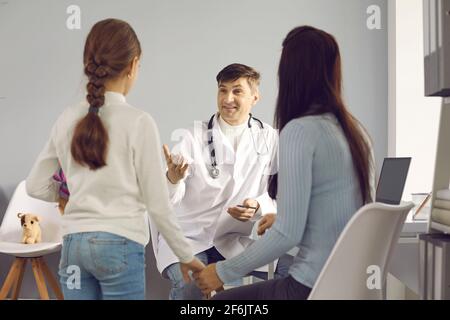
<point>246,211</point>
<point>176,165</point>
<point>195,266</point>
<point>207,280</point>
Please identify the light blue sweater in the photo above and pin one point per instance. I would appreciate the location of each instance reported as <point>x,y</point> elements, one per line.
<point>318,192</point>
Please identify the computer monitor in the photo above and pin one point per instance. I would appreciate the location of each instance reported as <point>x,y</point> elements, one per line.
<point>392,180</point>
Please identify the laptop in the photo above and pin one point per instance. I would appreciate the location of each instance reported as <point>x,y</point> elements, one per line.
<point>392,180</point>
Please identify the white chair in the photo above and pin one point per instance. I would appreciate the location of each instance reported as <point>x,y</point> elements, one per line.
<point>368,239</point>
<point>10,243</point>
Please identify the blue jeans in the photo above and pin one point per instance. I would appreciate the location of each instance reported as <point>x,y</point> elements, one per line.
<point>101,265</point>
<point>189,291</point>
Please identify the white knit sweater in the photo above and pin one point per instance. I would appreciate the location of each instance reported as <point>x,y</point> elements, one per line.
<point>116,197</point>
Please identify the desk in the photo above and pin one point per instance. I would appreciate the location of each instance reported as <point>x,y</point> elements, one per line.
<point>404,264</point>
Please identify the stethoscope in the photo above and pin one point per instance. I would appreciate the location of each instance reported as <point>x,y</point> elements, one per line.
<point>214,172</point>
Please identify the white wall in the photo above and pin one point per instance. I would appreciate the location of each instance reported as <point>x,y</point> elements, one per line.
<point>417,117</point>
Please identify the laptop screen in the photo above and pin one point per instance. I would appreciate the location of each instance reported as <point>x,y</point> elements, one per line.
<point>392,180</point>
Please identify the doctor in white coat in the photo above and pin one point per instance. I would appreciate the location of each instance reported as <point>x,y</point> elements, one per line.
<point>218,165</point>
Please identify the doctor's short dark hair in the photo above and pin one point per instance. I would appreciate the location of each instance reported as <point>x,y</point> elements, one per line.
<point>236,71</point>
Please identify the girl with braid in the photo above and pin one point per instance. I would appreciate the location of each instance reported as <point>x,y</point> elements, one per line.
<point>109,152</point>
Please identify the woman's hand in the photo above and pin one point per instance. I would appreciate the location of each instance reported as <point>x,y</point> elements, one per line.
<point>207,280</point>
<point>195,266</point>
<point>265,223</point>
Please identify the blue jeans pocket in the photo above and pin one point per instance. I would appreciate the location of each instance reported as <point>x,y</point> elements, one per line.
<point>64,260</point>
<point>173,273</point>
<point>109,254</point>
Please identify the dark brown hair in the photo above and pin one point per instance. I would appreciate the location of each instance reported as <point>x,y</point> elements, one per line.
<point>236,71</point>
<point>109,51</point>
<point>310,83</point>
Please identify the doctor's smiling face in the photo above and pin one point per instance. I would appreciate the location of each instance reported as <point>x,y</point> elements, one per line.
<point>237,93</point>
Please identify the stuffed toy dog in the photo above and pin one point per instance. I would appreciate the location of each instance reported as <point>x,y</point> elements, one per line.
<point>30,227</point>
<point>63,190</point>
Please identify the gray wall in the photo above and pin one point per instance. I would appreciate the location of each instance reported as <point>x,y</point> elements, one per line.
<point>185,43</point>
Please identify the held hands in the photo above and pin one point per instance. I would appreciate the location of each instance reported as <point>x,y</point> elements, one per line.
<point>265,223</point>
<point>195,266</point>
<point>176,169</point>
<point>207,280</point>
<point>246,212</point>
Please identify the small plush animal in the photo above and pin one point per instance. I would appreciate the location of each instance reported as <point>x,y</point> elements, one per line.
<point>30,228</point>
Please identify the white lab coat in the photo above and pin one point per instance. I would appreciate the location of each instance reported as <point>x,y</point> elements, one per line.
<point>201,202</point>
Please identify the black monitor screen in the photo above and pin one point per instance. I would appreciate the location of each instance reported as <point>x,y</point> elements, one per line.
<point>392,180</point>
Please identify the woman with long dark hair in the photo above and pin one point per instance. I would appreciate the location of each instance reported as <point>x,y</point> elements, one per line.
<point>325,173</point>
<point>110,154</point>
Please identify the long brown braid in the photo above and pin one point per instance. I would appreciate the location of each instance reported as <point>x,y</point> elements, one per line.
<point>109,51</point>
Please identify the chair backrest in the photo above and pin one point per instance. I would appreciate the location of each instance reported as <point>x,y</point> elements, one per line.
<point>364,247</point>
<point>11,230</point>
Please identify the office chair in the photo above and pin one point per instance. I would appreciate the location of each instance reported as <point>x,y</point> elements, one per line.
<point>10,244</point>
<point>366,243</point>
